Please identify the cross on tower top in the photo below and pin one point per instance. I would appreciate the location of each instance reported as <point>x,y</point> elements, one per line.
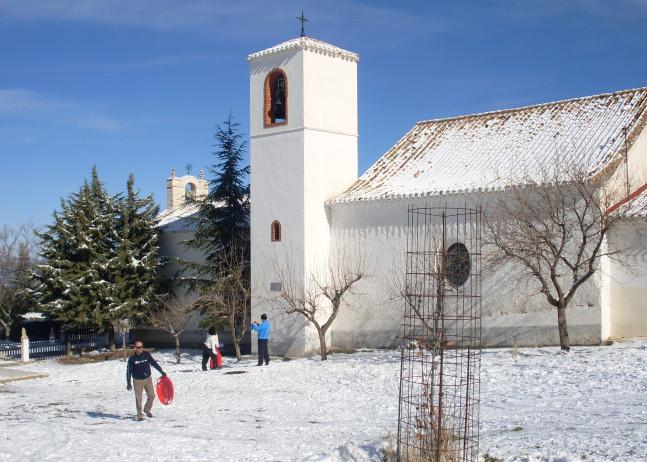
<point>303,21</point>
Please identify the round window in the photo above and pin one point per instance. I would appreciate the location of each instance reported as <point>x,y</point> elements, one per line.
<point>457,264</point>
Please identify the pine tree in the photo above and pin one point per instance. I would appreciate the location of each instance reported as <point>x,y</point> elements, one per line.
<point>16,286</point>
<point>101,258</point>
<point>223,218</point>
<point>23,284</point>
<point>222,235</point>
<point>77,247</point>
<point>135,264</point>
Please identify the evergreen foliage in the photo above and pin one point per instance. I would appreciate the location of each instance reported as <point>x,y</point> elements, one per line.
<point>100,257</point>
<point>76,250</point>
<point>222,221</point>
<point>222,236</point>
<point>134,267</point>
<point>16,283</point>
<point>23,299</point>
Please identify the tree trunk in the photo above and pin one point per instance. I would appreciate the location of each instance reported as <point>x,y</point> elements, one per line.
<point>111,336</point>
<point>177,348</point>
<point>322,345</point>
<point>6,329</point>
<point>123,344</point>
<point>237,348</point>
<point>232,331</point>
<point>563,329</point>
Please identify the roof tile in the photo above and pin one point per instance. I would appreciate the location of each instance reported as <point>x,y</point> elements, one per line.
<point>483,151</point>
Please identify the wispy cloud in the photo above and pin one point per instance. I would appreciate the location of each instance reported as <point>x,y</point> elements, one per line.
<point>146,63</point>
<point>534,9</point>
<point>251,18</point>
<point>157,14</point>
<point>618,9</point>
<point>19,103</point>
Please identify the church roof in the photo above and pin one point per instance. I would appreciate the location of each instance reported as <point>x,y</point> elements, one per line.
<point>480,152</point>
<point>307,43</point>
<point>177,219</point>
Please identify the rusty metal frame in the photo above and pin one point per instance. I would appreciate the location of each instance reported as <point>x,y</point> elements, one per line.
<point>438,416</point>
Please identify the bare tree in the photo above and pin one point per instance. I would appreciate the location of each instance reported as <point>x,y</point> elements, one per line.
<point>172,316</point>
<point>226,298</point>
<point>320,296</point>
<point>17,250</point>
<point>554,227</point>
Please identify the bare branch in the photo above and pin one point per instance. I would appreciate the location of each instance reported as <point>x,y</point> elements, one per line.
<point>319,295</point>
<point>554,225</point>
<point>226,298</point>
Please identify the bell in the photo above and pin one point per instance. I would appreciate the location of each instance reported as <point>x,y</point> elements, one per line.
<point>278,106</point>
<point>279,111</point>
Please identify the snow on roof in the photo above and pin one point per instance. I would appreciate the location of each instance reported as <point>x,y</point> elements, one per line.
<point>174,220</point>
<point>480,152</point>
<point>34,316</point>
<point>307,43</point>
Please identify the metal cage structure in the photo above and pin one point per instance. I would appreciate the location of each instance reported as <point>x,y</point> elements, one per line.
<point>438,415</point>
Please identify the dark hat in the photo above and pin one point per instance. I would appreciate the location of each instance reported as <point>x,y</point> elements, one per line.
<point>263,316</point>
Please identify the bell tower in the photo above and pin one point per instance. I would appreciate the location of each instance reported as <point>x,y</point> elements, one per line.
<point>303,150</point>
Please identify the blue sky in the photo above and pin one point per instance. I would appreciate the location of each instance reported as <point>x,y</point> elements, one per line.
<point>137,86</point>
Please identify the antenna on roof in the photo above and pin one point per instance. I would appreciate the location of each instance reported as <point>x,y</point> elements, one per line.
<point>303,21</point>
<point>628,185</point>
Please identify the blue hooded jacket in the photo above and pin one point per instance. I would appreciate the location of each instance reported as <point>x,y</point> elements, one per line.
<point>263,329</point>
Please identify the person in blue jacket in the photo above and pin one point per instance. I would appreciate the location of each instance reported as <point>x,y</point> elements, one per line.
<point>139,368</point>
<point>263,330</point>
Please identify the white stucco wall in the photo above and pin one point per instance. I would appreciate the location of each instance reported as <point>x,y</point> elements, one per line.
<point>623,281</point>
<point>330,94</point>
<point>626,301</point>
<point>295,167</point>
<point>274,166</point>
<point>171,246</point>
<point>512,312</point>
<point>637,162</point>
<point>630,172</point>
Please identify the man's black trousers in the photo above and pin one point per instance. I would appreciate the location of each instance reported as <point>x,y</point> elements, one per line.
<point>263,353</point>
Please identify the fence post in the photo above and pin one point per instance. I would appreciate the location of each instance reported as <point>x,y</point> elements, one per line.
<point>66,339</point>
<point>24,346</point>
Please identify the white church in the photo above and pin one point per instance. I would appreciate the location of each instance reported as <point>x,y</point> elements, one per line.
<point>307,201</point>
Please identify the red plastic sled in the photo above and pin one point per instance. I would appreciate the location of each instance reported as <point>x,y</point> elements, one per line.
<point>165,390</point>
<point>218,360</point>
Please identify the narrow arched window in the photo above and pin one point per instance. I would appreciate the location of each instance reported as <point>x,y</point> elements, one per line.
<point>275,111</point>
<point>189,191</point>
<point>276,231</point>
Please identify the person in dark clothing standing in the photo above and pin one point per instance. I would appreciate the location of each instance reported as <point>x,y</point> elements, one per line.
<point>139,368</point>
<point>263,330</point>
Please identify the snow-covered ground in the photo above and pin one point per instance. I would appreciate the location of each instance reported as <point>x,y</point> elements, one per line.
<point>589,404</point>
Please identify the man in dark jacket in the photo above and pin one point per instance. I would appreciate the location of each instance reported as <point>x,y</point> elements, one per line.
<point>139,368</point>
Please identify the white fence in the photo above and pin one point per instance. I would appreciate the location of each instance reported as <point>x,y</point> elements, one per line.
<point>41,349</point>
